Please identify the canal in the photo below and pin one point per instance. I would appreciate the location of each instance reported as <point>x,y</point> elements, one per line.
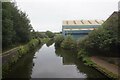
<point>51,62</point>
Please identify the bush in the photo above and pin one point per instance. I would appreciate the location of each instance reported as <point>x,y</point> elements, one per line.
<point>83,43</point>
<point>82,53</point>
<point>85,58</point>
<point>49,34</point>
<point>38,35</point>
<point>45,40</point>
<point>22,50</point>
<point>100,40</point>
<point>33,43</point>
<point>28,47</point>
<point>58,40</point>
<point>88,62</point>
<point>68,43</point>
<point>50,42</point>
<point>104,40</point>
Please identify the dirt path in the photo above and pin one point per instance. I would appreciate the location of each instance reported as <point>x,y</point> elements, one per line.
<point>9,51</point>
<point>8,54</point>
<point>110,67</point>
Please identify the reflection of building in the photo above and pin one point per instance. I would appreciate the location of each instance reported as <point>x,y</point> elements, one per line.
<point>79,27</point>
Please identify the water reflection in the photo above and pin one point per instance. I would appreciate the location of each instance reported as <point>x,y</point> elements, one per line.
<point>67,56</point>
<point>23,68</point>
<point>52,62</point>
<point>49,65</point>
<point>70,58</point>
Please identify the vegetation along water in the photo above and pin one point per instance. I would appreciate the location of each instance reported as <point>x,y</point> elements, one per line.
<point>31,54</point>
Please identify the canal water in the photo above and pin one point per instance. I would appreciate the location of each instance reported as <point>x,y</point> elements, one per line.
<point>51,62</point>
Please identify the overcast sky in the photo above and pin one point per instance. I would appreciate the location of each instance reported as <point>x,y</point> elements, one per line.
<point>49,14</point>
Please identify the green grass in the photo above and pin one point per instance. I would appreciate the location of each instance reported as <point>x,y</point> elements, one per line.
<point>87,61</point>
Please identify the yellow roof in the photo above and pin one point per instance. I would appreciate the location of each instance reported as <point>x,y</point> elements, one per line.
<point>83,22</point>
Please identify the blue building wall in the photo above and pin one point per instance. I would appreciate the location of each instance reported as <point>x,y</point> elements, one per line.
<point>77,33</point>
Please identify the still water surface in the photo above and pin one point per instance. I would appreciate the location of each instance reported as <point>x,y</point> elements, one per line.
<point>50,65</point>
<point>51,62</point>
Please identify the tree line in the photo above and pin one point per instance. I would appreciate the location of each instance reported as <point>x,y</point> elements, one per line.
<point>16,27</point>
<point>103,41</point>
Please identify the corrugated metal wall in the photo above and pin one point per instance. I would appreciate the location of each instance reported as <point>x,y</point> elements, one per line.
<point>77,33</point>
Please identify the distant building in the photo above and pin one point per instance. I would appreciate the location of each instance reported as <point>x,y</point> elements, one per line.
<point>79,28</point>
<point>115,14</point>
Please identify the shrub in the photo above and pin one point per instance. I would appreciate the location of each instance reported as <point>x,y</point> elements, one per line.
<point>49,34</point>
<point>30,46</point>
<point>22,50</point>
<point>104,39</point>
<point>33,43</point>
<point>50,42</point>
<point>68,43</point>
<point>39,35</point>
<point>88,62</point>
<point>45,40</point>
<point>82,53</point>
<point>58,40</point>
<point>84,56</point>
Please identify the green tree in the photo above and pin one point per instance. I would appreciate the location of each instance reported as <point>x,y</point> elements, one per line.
<point>68,43</point>
<point>7,25</point>
<point>105,39</point>
<point>16,27</point>
<point>58,40</point>
<point>49,34</point>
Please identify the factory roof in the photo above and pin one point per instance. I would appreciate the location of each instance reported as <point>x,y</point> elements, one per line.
<point>83,22</point>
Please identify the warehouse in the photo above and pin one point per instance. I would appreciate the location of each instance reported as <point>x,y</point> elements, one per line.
<point>79,28</point>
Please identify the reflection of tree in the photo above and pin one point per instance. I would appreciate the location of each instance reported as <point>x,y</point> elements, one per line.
<point>23,68</point>
<point>66,55</point>
<point>50,42</point>
<point>91,72</point>
<point>70,57</point>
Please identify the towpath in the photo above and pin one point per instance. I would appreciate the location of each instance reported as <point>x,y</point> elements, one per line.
<point>7,55</point>
<point>110,67</point>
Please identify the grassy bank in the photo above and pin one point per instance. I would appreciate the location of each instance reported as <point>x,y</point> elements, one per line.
<point>87,61</point>
<point>83,53</point>
<point>105,71</point>
<point>22,50</point>
<point>103,41</point>
<point>85,57</point>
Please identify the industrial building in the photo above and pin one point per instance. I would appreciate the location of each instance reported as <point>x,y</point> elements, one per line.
<point>79,28</point>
